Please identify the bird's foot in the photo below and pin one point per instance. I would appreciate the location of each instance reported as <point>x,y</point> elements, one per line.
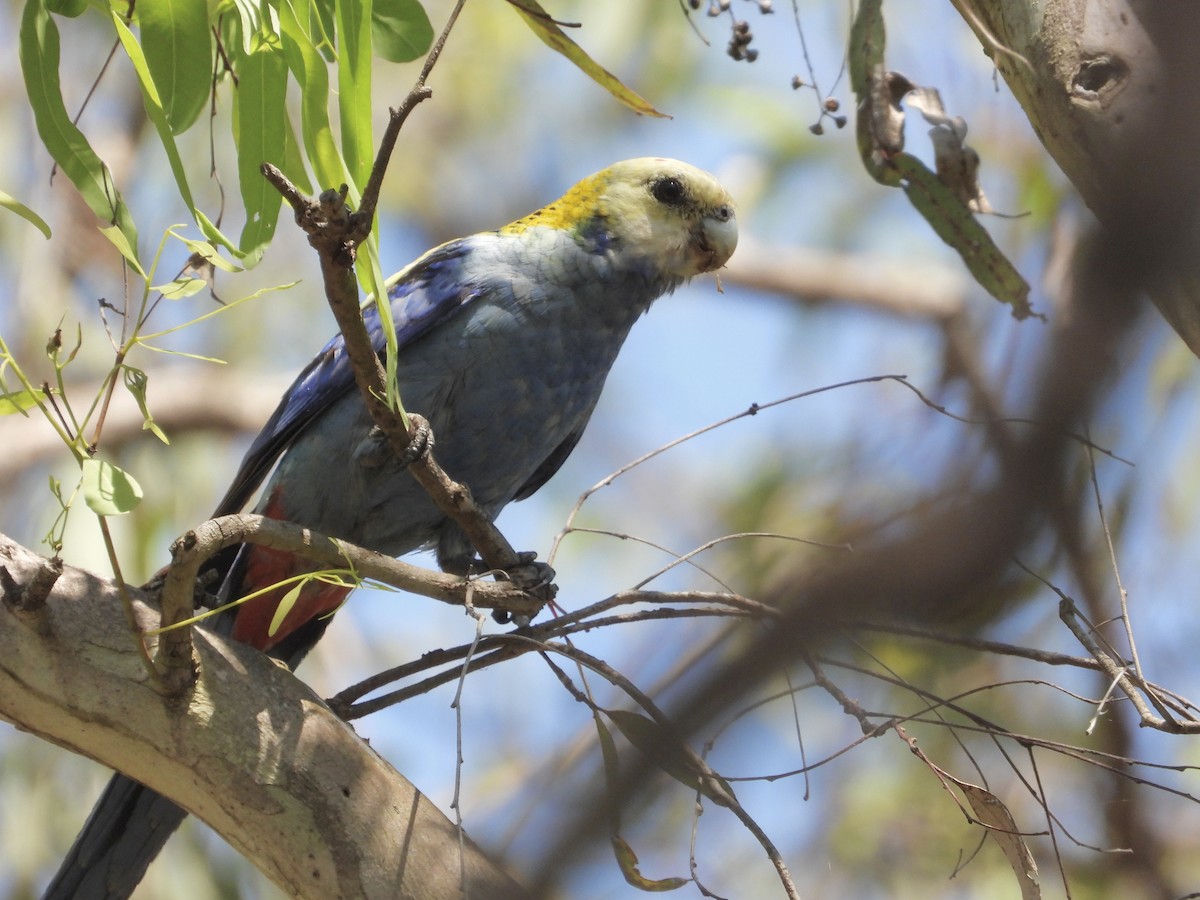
<point>374,451</point>
<point>528,575</point>
<point>420,441</point>
<point>532,577</point>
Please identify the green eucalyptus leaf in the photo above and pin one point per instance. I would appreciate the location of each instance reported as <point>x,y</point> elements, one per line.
<point>260,105</point>
<point>544,26</point>
<point>178,45</point>
<point>108,490</point>
<point>16,206</point>
<point>308,67</point>
<point>400,30</point>
<point>39,51</point>
<point>17,402</point>
<point>284,607</point>
<point>354,88</point>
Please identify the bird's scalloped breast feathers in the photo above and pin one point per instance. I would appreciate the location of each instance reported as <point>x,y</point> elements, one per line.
<point>426,293</point>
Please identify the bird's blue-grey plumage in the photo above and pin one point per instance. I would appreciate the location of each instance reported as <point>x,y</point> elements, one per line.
<point>505,340</point>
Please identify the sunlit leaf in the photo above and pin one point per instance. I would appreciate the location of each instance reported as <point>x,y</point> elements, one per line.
<point>628,862</point>
<point>354,87</point>
<point>552,36</point>
<point>17,402</point>
<point>259,101</point>
<point>135,382</point>
<point>38,48</point>
<point>309,69</point>
<point>179,51</point>
<point>400,30</point>
<point>107,490</point>
<point>120,240</point>
<point>284,607</point>
<point>16,206</point>
<point>181,287</point>
<point>154,108</point>
<point>206,251</point>
<point>68,8</point>
<point>957,226</point>
<point>991,812</point>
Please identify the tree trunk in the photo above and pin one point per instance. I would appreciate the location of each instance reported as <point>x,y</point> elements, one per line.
<point>1110,88</point>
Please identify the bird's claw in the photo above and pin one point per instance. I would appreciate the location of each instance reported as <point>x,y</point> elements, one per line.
<point>420,441</point>
<point>532,577</point>
<point>529,574</point>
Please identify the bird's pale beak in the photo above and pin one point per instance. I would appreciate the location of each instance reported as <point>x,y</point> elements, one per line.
<point>716,239</point>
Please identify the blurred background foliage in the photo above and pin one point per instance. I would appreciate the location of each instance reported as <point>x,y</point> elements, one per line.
<point>511,125</point>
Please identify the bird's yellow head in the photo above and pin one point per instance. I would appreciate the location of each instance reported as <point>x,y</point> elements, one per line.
<point>656,212</point>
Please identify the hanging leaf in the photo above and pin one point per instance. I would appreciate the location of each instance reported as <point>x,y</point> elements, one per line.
<point>120,240</point>
<point>308,67</point>
<point>68,8</point>
<point>400,30</point>
<point>946,199</point>
<point>39,52</point>
<point>153,104</point>
<point>259,102</point>
<point>178,46</point>
<point>991,812</point>
<point>354,88</point>
<point>555,38</point>
<point>284,607</point>
<point>13,205</point>
<point>17,402</point>
<point>954,224</point>
<point>626,858</point>
<point>107,490</point>
<point>135,382</point>
<point>628,862</point>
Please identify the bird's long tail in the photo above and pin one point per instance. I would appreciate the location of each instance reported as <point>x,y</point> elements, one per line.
<point>127,828</point>
<point>131,823</point>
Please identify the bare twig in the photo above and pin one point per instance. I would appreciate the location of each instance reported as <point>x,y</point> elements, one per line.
<point>1119,672</point>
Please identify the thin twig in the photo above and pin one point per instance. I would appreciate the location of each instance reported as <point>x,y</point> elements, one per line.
<point>197,546</point>
<point>1122,594</point>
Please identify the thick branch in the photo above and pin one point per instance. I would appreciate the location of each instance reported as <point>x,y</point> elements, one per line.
<point>893,286</point>
<point>286,782</point>
<point>1110,89</point>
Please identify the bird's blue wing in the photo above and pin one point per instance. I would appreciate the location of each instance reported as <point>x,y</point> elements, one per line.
<point>429,293</point>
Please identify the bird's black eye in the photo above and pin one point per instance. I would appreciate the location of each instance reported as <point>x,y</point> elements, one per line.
<point>669,191</point>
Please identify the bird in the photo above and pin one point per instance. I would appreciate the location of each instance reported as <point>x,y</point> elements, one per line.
<point>505,339</point>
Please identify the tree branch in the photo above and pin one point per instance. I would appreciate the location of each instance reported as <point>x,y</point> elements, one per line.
<point>193,549</point>
<point>272,769</point>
